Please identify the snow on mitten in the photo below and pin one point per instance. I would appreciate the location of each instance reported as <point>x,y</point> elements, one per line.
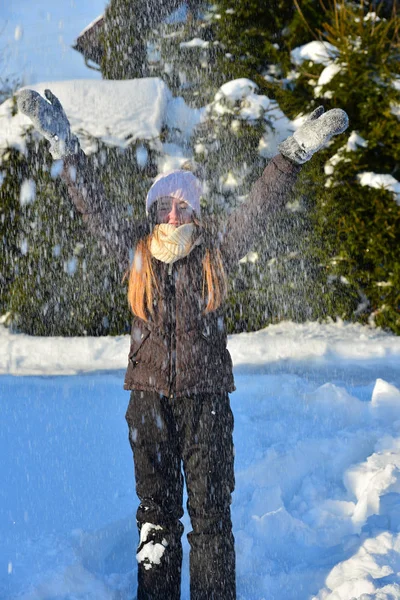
<point>49,119</point>
<point>314,134</point>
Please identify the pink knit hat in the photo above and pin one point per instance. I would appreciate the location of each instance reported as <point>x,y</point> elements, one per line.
<point>182,185</point>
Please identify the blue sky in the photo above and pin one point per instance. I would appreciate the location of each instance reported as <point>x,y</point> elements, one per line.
<point>36,38</point>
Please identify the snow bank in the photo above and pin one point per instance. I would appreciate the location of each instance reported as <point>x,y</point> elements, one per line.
<point>338,343</point>
<point>117,112</point>
<point>359,577</point>
<point>27,355</point>
<point>316,510</point>
<point>323,343</point>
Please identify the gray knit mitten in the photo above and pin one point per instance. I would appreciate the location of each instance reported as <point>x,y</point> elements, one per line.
<point>314,134</point>
<point>49,119</point>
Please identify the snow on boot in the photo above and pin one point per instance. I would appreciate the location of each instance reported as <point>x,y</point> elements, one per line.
<point>49,119</point>
<point>314,134</point>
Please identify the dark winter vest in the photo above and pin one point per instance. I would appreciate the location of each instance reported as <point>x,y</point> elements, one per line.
<point>180,350</point>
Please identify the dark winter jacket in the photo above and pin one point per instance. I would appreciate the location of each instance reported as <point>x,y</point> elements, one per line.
<point>180,350</point>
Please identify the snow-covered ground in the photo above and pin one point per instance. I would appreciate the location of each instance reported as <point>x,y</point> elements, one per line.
<point>316,509</point>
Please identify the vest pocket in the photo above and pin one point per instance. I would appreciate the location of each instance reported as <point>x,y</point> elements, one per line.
<point>139,335</point>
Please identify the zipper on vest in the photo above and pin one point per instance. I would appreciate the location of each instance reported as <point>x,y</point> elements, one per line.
<point>172,313</point>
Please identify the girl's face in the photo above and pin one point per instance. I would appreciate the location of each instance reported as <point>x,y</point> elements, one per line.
<point>173,211</point>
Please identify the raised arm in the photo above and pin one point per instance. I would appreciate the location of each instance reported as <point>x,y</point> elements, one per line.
<point>271,191</point>
<point>248,222</point>
<point>117,233</point>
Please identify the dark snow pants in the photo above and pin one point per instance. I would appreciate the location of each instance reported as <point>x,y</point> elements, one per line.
<point>165,434</point>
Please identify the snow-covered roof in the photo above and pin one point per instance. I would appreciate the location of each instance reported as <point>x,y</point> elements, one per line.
<point>117,112</point>
<point>90,44</point>
<point>89,41</point>
<point>95,21</point>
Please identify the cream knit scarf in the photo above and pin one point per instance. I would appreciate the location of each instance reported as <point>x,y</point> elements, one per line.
<point>170,243</point>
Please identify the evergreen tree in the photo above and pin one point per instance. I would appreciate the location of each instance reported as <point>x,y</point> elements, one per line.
<point>56,280</point>
<point>361,225</point>
<point>352,234</point>
<point>279,278</point>
<point>257,37</point>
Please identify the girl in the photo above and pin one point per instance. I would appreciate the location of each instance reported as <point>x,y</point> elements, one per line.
<point>179,369</point>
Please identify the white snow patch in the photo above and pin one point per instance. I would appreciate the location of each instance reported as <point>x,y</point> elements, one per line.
<point>317,454</point>
<point>318,52</point>
<point>239,99</point>
<point>72,581</point>
<point>355,141</point>
<point>229,182</point>
<point>116,112</point>
<point>173,157</point>
<point>251,257</point>
<point>326,77</point>
<point>27,192</point>
<point>370,16</point>
<point>180,117</point>
<point>24,246</point>
<point>22,354</point>
<point>71,265</point>
<point>18,33</point>
<point>395,109</point>
<point>236,90</point>
<point>371,480</point>
<point>379,181</point>
<point>385,400</point>
<point>96,20</point>
<point>142,156</point>
<point>195,43</point>
<point>358,578</point>
<point>151,553</point>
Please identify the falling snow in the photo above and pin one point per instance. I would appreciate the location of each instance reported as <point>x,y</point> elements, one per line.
<point>28,192</point>
<point>317,427</point>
